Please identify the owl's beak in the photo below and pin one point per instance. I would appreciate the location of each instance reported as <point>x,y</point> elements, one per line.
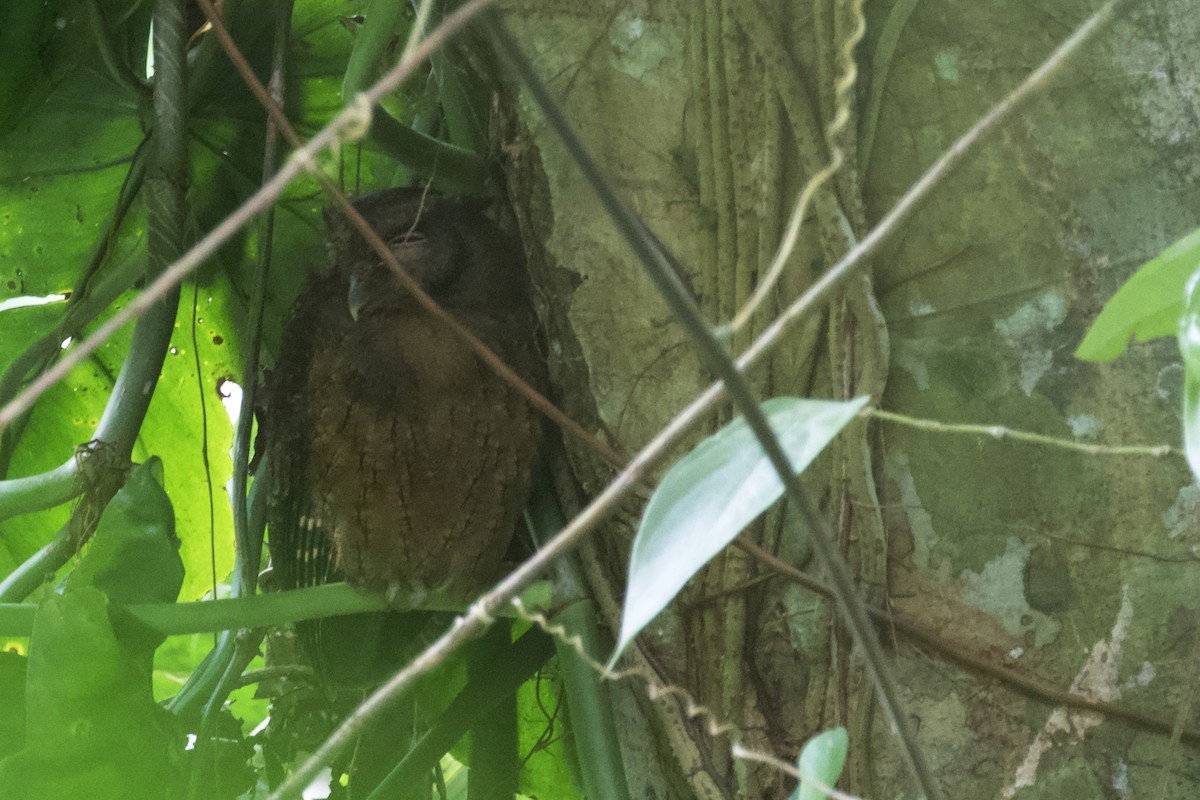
<point>358,294</point>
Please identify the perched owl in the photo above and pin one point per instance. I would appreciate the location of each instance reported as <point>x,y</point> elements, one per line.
<point>401,462</point>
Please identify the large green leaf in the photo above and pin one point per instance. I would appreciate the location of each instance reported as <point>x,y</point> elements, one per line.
<point>93,729</point>
<point>1147,306</point>
<point>713,492</point>
<point>544,770</point>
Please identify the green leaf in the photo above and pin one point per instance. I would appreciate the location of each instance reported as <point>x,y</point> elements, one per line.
<point>93,730</point>
<point>23,31</point>
<point>712,493</point>
<point>12,702</point>
<point>822,759</point>
<point>544,768</point>
<point>1189,348</point>
<point>1147,306</point>
<point>133,556</point>
<point>382,22</point>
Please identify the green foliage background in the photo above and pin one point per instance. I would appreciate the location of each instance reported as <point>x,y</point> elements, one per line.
<point>74,119</point>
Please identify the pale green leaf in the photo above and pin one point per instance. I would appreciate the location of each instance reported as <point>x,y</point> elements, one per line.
<point>822,759</point>
<point>1147,306</point>
<point>712,493</point>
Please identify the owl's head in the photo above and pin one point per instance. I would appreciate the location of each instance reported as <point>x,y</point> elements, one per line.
<point>428,234</point>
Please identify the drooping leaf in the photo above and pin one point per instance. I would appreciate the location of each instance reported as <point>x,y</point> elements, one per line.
<point>92,727</point>
<point>133,557</point>
<point>712,493</point>
<point>822,758</point>
<point>1147,306</point>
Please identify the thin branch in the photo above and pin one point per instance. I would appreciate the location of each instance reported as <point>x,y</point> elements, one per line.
<point>271,609</point>
<point>1001,432</point>
<point>33,571</point>
<point>292,672</point>
<point>39,492</point>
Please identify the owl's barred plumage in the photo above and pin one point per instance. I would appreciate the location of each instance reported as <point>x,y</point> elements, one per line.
<point>401,461</point>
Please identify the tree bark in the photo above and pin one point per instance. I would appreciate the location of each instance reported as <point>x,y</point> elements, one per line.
<point>708,117</point>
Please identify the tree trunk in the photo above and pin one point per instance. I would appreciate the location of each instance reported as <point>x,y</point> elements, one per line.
<point>708,117</point>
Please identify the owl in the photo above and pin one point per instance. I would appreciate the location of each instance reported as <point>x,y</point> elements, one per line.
<point>401,462</point>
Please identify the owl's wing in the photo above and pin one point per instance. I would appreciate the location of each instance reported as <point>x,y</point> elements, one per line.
<point>301,550</point>
<point>300,545</point>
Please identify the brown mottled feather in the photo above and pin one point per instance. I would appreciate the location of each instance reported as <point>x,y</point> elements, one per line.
<point>402,462</point>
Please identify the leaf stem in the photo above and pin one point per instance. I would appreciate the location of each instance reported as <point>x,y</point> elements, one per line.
<point>261,611</point>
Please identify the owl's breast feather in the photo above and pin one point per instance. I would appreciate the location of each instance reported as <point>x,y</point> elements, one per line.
<point>420,458</point>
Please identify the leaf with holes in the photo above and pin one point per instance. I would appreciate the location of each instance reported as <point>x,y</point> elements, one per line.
<point>714,492</point>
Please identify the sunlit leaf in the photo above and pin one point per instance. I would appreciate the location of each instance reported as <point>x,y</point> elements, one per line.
<point>822,759</point>
<point>544,766</point>
<point>712,493</point>
<point>1147,306</point>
